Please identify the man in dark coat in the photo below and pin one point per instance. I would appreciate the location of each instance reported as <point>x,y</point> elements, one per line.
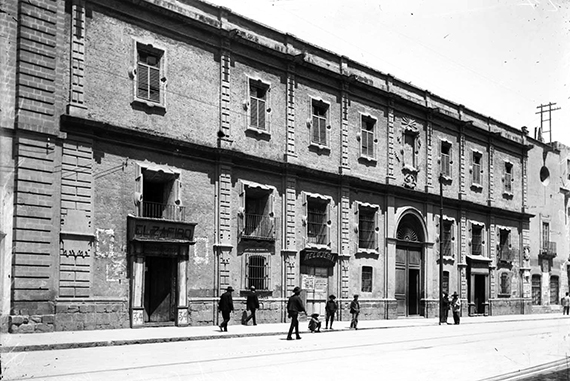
<point>252,304</point>
<point>294,307</point>
<point>226,306</point>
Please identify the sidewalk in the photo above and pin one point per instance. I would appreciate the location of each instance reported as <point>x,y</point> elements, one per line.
<point>100,338</point>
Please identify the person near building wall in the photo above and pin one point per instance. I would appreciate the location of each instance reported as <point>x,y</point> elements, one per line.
<point>252,305</point>
<point>330,310</point>
<point>226,307</point>
<point>294,307</point>
<point>566,304</point>
<point>355,311</point>
<point>455,307</point>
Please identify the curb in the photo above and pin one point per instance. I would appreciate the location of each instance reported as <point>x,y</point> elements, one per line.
<point>155,340</point>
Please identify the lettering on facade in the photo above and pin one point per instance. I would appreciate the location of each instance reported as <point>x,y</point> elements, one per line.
<point>318,258</point>
<point>157,231</point>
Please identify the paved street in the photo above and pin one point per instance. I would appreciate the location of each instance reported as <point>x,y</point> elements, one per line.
<point>472,351</point>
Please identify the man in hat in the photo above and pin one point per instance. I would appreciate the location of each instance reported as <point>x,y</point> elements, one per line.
<point>294,307</point>
<point>455,307</point>
<point>355,311</point>
<point>226,306</point>
<point>252,304</point>
<point>330,308</point>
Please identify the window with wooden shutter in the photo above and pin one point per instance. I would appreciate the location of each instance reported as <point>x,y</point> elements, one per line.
<point>367,137</point>
<point>318,214</point>
<point>508,178</point>
<point>258,105</point>
<point>149,74</point>
<point>476,164</point>
<point>367,227</point>
<point>445,159</point>
<point>319,123</point>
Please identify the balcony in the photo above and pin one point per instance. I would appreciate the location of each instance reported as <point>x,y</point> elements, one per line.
<point>170,212</point>
<point>548,250</point>
<point>257,226</point>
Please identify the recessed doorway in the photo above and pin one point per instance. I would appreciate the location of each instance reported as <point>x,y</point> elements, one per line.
<point>160,289</point>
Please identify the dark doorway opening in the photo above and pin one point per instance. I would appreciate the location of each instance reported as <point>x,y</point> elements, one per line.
<point>479,295</point>
<point>160,289</point>
<point>414,292</point>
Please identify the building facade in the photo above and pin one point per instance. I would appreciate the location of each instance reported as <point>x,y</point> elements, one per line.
<point>167,150</point>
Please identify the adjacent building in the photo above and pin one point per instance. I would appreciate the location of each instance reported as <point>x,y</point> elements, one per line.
<point>165,150</point>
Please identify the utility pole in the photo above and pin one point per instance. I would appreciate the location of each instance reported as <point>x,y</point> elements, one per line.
<point>546,109</point>
<point>440,248</point>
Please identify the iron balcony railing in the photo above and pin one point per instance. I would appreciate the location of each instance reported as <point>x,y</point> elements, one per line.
<point>549,248</point>
<point>163,211</point>
<point>257,226</point>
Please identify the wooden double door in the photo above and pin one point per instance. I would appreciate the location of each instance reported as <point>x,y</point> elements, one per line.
<point>409,280</point>
<point>160,289</point>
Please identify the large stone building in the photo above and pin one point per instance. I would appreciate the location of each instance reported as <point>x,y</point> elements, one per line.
<point>165,150</point>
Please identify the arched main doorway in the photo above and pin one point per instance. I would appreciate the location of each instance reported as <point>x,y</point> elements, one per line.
<point>409,266</point>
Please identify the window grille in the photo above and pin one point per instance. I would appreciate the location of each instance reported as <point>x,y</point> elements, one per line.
<point>257,274</point>
<point>536,290</point>
<point>505,284</point>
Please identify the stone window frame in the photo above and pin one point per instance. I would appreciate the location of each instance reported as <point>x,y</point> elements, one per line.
<point>258,82</point>
<point>476,179</point>
<point>470,240</point>
<point>306,198</point>
<point>323,104</point>
<point>508,179</point>
<point>453,222</point>
<point>152,47</point>
<point>267,270</point>
<point>449,175</point>
<point>364,282</point>
<point>242,189</point>
<point>376,208</point>
<point>361,136</point>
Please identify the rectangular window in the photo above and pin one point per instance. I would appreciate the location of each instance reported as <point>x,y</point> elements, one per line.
<point>446,159</point>
<point>255,218</point>
<point>257,272</point>
<point>508,177</point>
<point>476,239</point>
<point>505,285</point>
<point>366,279</point>
<point>445,282</point>
<point>319,123</point>
<point>447,237</point>
<point>545,237</point>
<point>158,194</point>
<point>367,139</point>
<point>554,290</point>
<point>536,290</point>
<point>568,169</point>
<point>317,221</point>
<point>367,229</point>
<point>258,105</point>
<point>148,74</point>
<point>477,159</point>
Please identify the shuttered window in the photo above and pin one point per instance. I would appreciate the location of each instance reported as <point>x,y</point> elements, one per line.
<point>258,105</point>
<point>319,123</point>
<point>367,137</point>
<point>446,159</point>
<point>148,76</point>
<point>477,158</point>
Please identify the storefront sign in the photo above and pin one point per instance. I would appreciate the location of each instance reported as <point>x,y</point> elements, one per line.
<point>318,258</point>
<point>160,231</point>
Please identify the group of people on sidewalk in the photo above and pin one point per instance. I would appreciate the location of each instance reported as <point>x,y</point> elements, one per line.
<point>454,304</point>
<point>295,306</point>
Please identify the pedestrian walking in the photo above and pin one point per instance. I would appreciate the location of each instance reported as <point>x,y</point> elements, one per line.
<point>355,311</point>
<point>330,310</point>
<point>455,307</point>
<point>294,307</point>
<point>226,307</point>
<point>565,304</point>
<point>445,307</point>
<point>252,305</point>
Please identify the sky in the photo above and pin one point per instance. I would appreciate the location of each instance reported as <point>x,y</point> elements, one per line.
<point>500,58</point>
